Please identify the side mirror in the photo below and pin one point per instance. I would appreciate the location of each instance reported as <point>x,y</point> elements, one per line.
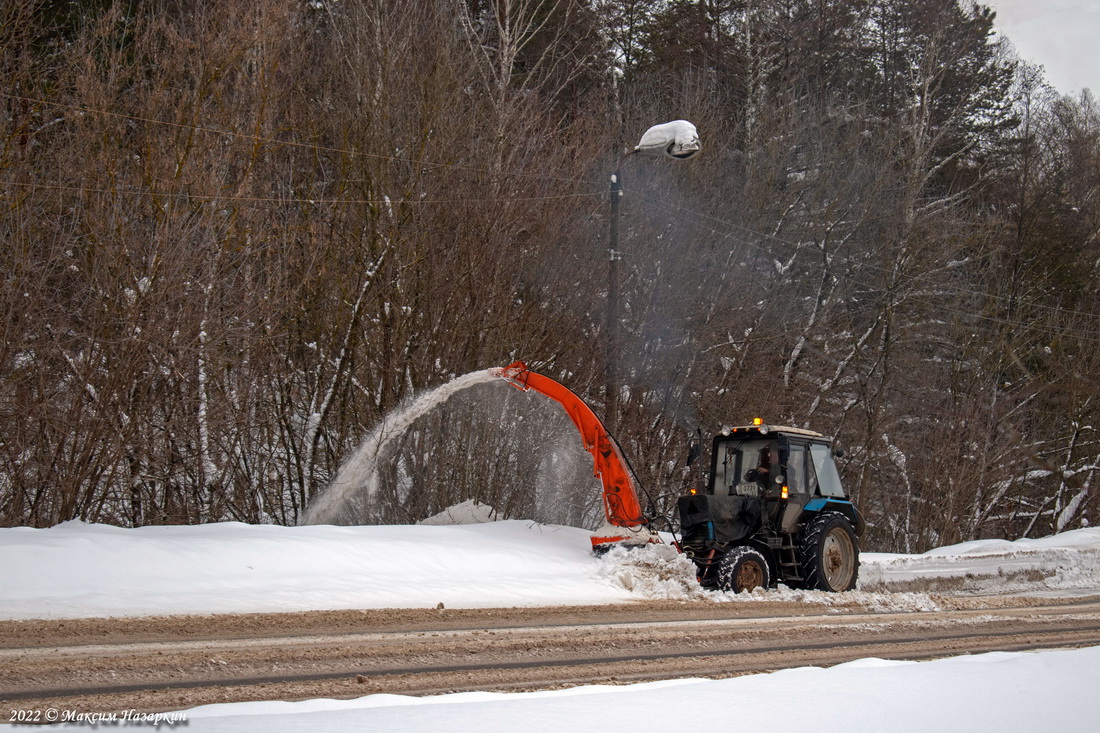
<point>838,452</point>
<point>693,452</point>
<point>695,447</point>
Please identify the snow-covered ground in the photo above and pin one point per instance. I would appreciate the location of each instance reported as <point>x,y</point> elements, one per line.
<point>78,570</point>
<point>1047,691</point>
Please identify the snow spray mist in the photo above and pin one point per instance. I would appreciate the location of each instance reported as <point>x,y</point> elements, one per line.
<point>347,500</point>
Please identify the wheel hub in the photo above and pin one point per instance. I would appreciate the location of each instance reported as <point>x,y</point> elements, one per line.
<point>837,558</point>
<point>749,576</point>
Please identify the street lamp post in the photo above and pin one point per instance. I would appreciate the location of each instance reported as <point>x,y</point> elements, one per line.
<point>679,140</point>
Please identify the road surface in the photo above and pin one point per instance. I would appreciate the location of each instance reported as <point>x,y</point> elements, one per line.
<point>172,663</point>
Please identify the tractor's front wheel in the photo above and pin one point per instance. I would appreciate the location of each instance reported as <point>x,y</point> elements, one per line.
<point>743,569</point>
<point>829,553</point>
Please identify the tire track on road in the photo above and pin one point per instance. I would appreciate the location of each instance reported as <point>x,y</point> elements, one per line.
<point>164,674</point>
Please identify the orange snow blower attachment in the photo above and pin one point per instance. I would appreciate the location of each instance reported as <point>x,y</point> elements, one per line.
<point>620,497</point>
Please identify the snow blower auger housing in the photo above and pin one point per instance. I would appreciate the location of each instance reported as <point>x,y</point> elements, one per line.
<point>774,511</point>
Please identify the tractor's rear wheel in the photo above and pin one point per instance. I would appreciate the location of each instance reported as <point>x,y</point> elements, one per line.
<point>829,553</point>
<point>743,569</point>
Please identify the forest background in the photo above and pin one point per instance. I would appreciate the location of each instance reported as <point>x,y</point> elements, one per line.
<point>237,235</point>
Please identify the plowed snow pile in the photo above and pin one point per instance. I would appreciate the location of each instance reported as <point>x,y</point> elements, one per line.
<point>658,572</point>
<point>1058,565</point>
<point>654,571</point>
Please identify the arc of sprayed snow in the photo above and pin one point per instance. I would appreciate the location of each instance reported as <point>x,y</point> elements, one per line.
<point>359,474</point>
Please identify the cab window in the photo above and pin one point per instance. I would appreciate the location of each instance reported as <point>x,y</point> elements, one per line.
<point>796,469</point>
<point>745,467</point>
<point>827,476</point>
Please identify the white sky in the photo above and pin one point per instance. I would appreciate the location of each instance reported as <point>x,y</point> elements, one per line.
<point>1061,35</point>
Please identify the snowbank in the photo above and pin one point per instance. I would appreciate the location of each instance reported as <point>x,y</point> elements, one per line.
<point>74,569</point>
<point>1066,562</point>
<point>993,692</point>
<point>78,570</point>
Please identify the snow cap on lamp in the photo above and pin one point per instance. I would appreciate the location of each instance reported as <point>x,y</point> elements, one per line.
<point>676,139</point>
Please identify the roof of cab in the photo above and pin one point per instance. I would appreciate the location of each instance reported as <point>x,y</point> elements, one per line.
<point>766,429</point>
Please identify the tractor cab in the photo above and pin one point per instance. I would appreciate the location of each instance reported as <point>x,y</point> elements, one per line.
<point>787,467</point>
<point>766,485</point>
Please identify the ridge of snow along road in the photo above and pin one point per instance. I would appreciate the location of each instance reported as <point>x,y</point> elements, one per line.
<point>78,570</point>
<point>1017,692</point>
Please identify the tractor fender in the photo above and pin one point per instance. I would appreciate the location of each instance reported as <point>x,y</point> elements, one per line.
<point>842,506</point>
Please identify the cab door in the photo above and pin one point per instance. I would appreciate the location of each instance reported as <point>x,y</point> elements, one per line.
<point>801,482</point>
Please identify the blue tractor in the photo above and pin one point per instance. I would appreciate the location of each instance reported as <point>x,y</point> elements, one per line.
<point>773,511</point>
